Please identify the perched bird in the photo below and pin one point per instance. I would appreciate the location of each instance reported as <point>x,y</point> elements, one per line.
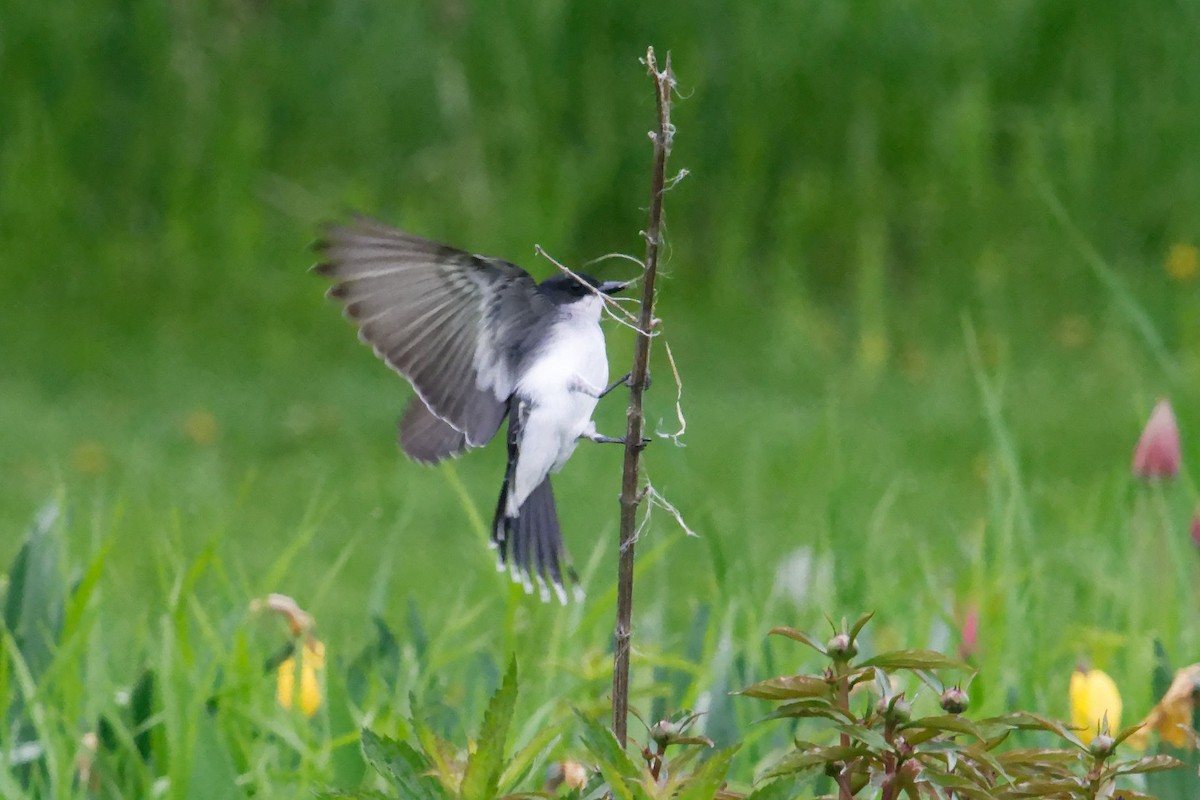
<point>479,341</point>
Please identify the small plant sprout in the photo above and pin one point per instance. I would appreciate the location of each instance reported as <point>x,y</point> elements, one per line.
<point>664,734</point>
<point>955,701</point>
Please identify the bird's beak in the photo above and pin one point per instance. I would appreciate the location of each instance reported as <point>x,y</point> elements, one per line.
<point>612,287</point>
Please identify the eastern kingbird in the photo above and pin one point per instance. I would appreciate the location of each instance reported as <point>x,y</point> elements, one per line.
<point>479,340</point>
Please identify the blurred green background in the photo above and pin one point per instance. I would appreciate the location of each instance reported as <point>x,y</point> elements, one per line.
<point>932,265</point>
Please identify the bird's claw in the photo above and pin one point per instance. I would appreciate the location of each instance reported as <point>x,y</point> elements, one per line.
<point>628,380</point>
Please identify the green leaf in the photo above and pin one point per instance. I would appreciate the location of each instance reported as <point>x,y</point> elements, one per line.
<point>1129,794</point>
<point>36,591</point>
<point>401,765</point>
<point>788,687</point>
<point>799,636</point>
<point>962,786</point>
<point>142,711</point>
<point>14,590</point>
<point>329,793</point>
<point>951,723</point>
<point>416,634</point>
<point>690,741</point>
<point>868,736</point>
<point>211,772</point>
<point>914,659</point>
<point>782,789</point>
<point>978,752</point>
<point>438,753</point>
<point>1126,732</point>
<point>533,751</point>
<point>1163,674</point>
<point>1157,763</point>
<point>800,761</point>
<point>708,777</point>
<point>482,776</point>
<point>346,757</point>
<point>619,770</point>
<point>1036,756</point>
<point>1063,787</point>
<point>860,675</point>
<point>678,764</point>
<point>1026,720</point>
<point>811,707</point>
<point>859,624</point>
<point>380,658</point>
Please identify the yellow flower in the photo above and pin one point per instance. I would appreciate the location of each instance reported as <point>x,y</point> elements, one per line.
<point>312,660</point>
<point>201,427</point>
<point>873,350</point>
<point>1183,262</point>
<point>1073,331</point>
<point>90,458</point>
<point>1094,698</point>
<point>1172,717</point>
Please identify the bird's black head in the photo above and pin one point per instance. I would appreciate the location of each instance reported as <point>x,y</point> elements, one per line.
<point>563,289</point>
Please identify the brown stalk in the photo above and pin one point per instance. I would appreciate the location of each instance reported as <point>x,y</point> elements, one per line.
<point>843,700</point>
<point>631,494</point>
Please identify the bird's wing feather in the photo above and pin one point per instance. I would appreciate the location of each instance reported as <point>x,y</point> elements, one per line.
<point>450,322</point>
<point>426,438</point>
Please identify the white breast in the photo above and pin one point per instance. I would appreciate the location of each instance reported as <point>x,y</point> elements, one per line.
<point>572,358</point>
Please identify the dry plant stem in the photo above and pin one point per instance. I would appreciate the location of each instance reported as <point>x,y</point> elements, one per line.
<point>631,496</point>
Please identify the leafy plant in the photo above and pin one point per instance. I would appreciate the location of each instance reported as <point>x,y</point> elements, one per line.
<point>430,768</point>
<point>35,594</point>
<point>658,777</point>
<point>882,750</point>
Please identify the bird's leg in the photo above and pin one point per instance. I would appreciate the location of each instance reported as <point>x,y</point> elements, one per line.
<point>623,381</point>
<point>619,382</point>
<point>599,439</point>
<point>592,435</point>
<point>581,384</point>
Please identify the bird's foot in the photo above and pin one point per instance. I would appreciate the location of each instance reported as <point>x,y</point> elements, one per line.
<point>618,440</point>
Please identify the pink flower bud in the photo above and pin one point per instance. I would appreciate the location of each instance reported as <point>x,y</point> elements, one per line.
<point>1157,454</point>
<point>969,641</point>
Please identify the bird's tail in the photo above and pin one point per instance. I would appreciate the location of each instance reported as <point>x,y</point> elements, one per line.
<point>531,546</point>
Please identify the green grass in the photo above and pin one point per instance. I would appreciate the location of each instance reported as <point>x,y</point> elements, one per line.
<point>915,289</point>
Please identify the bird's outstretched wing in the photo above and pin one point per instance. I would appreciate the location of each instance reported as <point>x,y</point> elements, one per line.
<point>451,322</point>
<point>425,438</point>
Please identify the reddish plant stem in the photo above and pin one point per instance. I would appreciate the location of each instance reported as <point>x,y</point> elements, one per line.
<point>889,763</point>
<point>843,696</point>
<point>631,495</point>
